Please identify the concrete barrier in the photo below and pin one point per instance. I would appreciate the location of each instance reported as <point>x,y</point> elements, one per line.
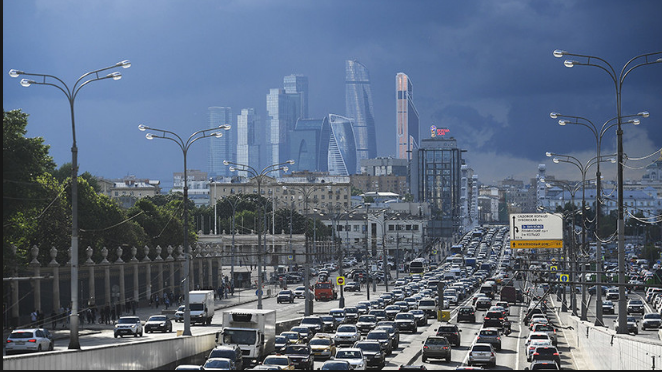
<point>140,355</point>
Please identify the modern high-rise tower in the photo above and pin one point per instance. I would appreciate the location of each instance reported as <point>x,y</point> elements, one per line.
<point>406,117</point>
<point>283,110</point>
<point>298,84</point>
<point>358,106</point>
<point>223,148</point>
<point>248,139</point>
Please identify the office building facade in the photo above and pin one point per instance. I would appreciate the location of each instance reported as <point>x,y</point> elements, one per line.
<point>224,148</point>
<point>436,179</point>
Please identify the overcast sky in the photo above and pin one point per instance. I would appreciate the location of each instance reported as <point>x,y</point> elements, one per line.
<point>482,69</point>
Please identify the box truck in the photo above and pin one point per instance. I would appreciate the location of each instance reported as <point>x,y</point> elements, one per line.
<point>253,330</point>
<point>202,308</point>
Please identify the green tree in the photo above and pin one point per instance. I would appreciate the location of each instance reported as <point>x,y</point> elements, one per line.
<point>25,194</point>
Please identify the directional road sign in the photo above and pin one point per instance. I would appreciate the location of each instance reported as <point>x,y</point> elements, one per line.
<point>536,226</point>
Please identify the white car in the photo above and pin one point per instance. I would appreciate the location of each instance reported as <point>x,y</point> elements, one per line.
<point>651,320</point>
<point>28,340</point>
<point>354,356</point>
<point>347,334</point>
<point>300,291</point>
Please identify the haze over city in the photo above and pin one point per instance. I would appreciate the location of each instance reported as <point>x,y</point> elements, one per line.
<point>482,69</point>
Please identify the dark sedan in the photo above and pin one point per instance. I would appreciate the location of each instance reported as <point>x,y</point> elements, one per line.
<point>159,323</point>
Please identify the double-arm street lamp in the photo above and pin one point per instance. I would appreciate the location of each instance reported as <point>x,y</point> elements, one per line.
<point>184,145</point>
<point>617,79</point>
<point>71,94</point>
<point>583,168</point>
<point>598,133</point>
<point>259,177</point>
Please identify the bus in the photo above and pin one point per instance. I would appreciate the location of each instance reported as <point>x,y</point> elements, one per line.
<point>455,249</point>
<point>417,266</point>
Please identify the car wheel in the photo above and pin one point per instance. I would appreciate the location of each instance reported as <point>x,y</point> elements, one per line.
<point>424,359</point>
<point>39,348</point>
<point>469,364</point>
<point>50,346</point>
<point>115,335</point>
<point>135,334</point>
<point>448,359</point>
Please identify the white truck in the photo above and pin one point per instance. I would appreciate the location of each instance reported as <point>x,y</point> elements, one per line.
<point>202,308</point>
<point>253,330</point>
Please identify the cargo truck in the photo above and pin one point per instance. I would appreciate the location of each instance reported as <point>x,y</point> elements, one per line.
<point>202,308</point>
<point>253,330</point>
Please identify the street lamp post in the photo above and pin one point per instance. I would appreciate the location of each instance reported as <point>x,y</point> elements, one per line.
<point>598,134</point>
<point>211,182</point>
<point>234,201</point>
<point>184,145</point>
<point>367,253</point>
<point>71,94</point>
<point>648,59</point>
<point>583,168</point>
<point>258,176</point>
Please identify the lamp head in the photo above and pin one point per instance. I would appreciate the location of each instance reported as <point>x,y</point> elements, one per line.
<point>14,72</point>
<point>554,115</point>
<point>644,114</point>
<point>225,162</point>
<point>563,122</point>
<point>569,63</point>
<point>558,53</point>
<point>548,154</point>
<point>216,134</point>
<point>149,136</point>
<point>290,161</point>
<point>232,169</point>
<point>225,126</point>
<point>124,64</point>
<point>556,160</point>
<point>143,127</point>
<point>26,82</point>
<point>115,75</point>
<point>634,121</point>
<point>285,169</point>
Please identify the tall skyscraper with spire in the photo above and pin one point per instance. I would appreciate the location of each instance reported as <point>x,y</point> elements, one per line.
<point>406,117</point>
<point>358,106</point>
<point>224,148</point>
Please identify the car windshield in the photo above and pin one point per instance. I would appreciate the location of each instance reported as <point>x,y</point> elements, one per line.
<point>320,341</point>
<point>351,310</point>
<point>347,354</point>
<point>279,361</point>
<point>297,349</point>
<point>221,353</point>
<point>217,363</point>
<point>446,329</point>
<point>436,341</point>
<point>368,346</point>
<point>632,319</point>
<point>128,320</point>
<point>482,348</point>
<point>347,329</point>
<point>404,316</point>
<point>310,321</point>
<point>652,316</point>
<point>158,318</point>
<point>368,319</point>
<point>489,333</point>
<point>281,339</point>
<point>377,335</point>
<point>392,307</point>
<point>334,366</point>
<point>22,334</point>
<point>544,328</point>
<point>301,330</point>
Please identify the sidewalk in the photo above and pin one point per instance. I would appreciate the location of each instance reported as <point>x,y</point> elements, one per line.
<point>241,296</point>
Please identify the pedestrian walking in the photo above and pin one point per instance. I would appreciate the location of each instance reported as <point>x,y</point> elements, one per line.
<point>53,319</point>
<point>156,301</point>
<point>112,315</point>
<point>33,318</point>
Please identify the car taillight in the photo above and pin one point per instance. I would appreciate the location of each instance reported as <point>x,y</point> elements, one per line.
<point>556,354</point>
<point>536,353</point>
<point>33,340</point>
<point>426,347</point>
<point>445,348</point>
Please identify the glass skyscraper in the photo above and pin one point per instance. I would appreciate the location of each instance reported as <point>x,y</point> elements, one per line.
<point>298,84</point>
<point>358,107</point>
<point>223,148</point>
<point>436,178</point>
<point>284,108</point>
<point>407,120</point>
<point>248,139</point>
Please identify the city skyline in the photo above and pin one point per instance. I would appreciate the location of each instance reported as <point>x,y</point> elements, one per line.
<point>483,70</point>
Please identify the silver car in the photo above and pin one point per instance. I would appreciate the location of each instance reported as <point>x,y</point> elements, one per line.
<point>482,354</point>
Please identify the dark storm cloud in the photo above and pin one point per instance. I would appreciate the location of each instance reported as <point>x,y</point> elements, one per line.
<point>484,69</point>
